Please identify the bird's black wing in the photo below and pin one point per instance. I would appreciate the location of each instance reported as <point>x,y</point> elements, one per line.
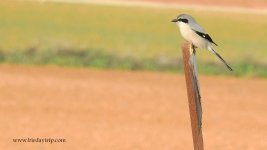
<point>205,36</point>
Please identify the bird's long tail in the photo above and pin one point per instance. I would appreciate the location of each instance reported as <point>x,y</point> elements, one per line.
<point>219,56</point>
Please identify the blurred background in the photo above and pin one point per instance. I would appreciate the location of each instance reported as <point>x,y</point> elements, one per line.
<point>140,37</point>
<point>108,74</point>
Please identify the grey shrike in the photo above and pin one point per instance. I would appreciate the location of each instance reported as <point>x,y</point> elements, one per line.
<point>196,35</point>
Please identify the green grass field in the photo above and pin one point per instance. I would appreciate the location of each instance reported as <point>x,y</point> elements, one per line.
<point>126,37</point>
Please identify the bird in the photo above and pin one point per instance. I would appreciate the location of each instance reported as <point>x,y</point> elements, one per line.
<point>192,32</point>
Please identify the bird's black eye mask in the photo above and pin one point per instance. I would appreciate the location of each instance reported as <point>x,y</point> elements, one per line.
<point>183,20</point>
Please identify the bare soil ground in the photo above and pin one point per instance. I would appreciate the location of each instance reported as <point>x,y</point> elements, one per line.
<point>255,4</point>
<point>117,110</point>
<point>239,3</point>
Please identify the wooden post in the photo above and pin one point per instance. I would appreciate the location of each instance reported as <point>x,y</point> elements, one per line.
<point>193,97</point>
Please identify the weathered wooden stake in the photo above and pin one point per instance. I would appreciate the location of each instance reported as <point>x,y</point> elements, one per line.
<point>193,98</point>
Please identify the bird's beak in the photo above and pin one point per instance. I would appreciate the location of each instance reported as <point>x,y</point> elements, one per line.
<point>174,20</point>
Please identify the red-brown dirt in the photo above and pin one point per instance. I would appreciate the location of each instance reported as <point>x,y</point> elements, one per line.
<point>119,110</point>
<point>239,3</point>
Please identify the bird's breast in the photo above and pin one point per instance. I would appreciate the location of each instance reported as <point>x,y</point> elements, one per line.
<point>189,35</point>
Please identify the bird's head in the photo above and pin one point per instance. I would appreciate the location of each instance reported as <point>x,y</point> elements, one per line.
<point>183,18</point>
